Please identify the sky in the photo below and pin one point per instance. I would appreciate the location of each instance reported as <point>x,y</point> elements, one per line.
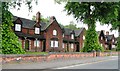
<point>50,8</point>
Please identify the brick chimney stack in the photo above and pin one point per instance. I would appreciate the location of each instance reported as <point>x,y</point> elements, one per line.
<point>38,17</point>
<point>107,32</point>
<point>52,18</point>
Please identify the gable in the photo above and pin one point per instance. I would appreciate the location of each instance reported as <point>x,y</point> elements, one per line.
<point>54,24</point>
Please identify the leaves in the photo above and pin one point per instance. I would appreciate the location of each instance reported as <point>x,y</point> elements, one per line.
<point>10,43</point>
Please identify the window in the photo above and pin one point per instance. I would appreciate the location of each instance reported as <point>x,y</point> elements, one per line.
<point>37,30</point>
<point>54,32</point>
<point>101,38</point>
<point>17,27</point>
<point>72,36</point>
<point>51,43</point>
<point>63,35</point>
<point>54,43</point>
<point>113,40</point>
<point>37,42</point>
<point>83,37</point>
<point>72,46</point>
<point>63,45</point>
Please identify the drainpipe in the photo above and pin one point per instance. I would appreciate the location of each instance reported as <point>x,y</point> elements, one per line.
<point>36,45</point>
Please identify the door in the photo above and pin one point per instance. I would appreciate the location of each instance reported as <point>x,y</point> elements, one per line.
<point>77,48</point>
<point>44,46</point>
<point>26,44</point>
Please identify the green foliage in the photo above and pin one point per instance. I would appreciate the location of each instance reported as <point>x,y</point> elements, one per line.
<point>118,44</point>
<point>103,12</point>
<point>91,41</point>
<point>72,26</point>
<point>10,42</point>
<point>89,13</point>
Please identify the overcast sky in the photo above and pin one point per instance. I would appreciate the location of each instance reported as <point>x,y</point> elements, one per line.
<point>50,8</point>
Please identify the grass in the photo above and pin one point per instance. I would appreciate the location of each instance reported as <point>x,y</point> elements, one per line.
<point>42,53</point>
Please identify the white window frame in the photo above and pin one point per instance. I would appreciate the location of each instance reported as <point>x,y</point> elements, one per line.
<point>72,36</point>
<point>101,38</point>
<point>54,32</point>
<point>51,43</point>
<point>63,45</point>
<point>54,43</point>
<point>72,45</point>
<point>113,40</point>
<point>17,27</point>
<point>38,43</point>
<point>37,30</point>
<point>63,35</point>
<point>83,37</point>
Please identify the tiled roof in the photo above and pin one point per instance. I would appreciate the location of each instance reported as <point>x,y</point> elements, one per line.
<point>109,37</point>
<point>67,31</point>
<point>78,32</point>
<point>26,23</point>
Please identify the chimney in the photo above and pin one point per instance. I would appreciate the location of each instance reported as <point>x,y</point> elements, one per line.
<point>52,18</point>
<point>37,17</point>
<point>107,33</point>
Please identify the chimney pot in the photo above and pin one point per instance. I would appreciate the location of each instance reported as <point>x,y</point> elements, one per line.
<point>38,17</point>
<point>52,18</point>
<point>107,33</point>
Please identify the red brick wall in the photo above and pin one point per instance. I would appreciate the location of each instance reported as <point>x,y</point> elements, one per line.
<point>31,31</point>
<point>81,41</point>
<point>24,30</point>
<point>39,58</point>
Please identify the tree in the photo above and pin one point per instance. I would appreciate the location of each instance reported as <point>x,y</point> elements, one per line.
<point>116,25</point>
<point>72,26</point>
<point>10,42</point>
<point>89,13</point>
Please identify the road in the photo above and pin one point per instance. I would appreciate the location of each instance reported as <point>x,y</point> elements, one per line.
<point>104,64</point>
<point>110,62</point>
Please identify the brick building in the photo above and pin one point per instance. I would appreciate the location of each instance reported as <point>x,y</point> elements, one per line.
<point>106,40</point>
<point>47,37</point>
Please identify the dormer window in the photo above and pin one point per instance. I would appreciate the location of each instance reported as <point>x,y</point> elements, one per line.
<point>37,30</point>
<point>72,36</point>
<point>17,27</point>
<point>54,32</point>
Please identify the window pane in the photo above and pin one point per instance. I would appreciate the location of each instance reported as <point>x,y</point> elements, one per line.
<point>51,43</point>
<point>37,43</point>
<point>17,27</point>
<point>72,46</point>
<point>63,45</point>
<point>37,30</point>
<point>72,36</point>
<point>56,43</point>
<point>54,32</point>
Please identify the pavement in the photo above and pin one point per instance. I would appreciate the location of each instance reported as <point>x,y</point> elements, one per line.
<point>60,64</point>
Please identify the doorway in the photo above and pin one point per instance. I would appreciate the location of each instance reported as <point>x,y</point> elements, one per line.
<point>26,45</point>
